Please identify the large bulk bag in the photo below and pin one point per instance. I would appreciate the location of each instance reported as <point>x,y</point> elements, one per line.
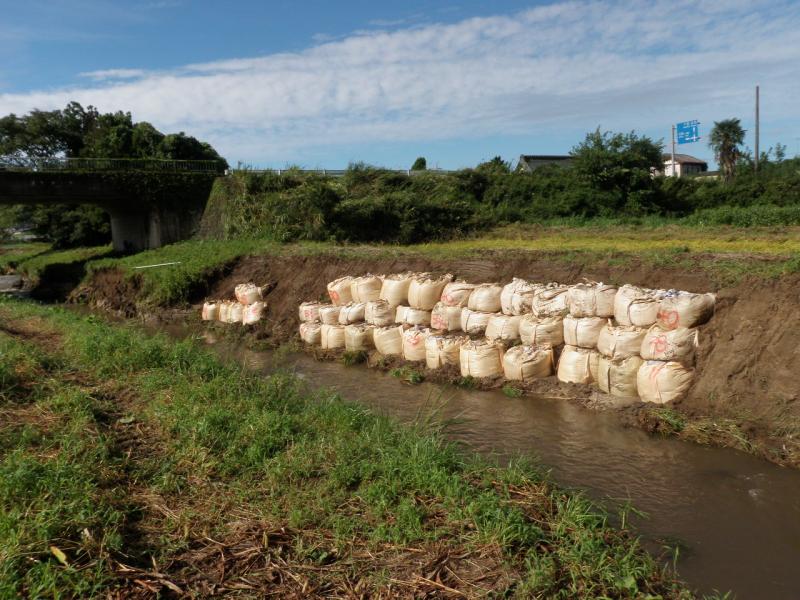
<point>446,318</point>
<point>309,311</point>
<point>358,337</point>
<point>685,309</point>
<point>311,333</point>
<point>352,312</point>
<point>485,298</point>
<point>210,311</point>
<point>329,314</point>
<point>526,363</point>
<point>618,377</point>
<point>457,293</point>
<point>502,327</point>
<point>621,341</point>
<point>583,331</point>
<point>481,359</point>
<point>425,291</point>
<point>253,313</point>
<point>516,297</point>
<point>339,290</point>
<point>332,337</point>
<point>673,344</point>
<point>388,340</point>
<point>578,365</point>
<point>394,288</point>
<point>224,311</point>
<point>236,313</point>
<point>443,350</point>
<point>379,313</point>
<point>550,301</point>
<point>366,288</point>
<point>636,306</point>
<point>535,330</point>
<point>474,322</point>
<point>412,316</point>
<point>414,343</point>
<point>591,300</point>
<point>660,382</point>
<point>247,293</point>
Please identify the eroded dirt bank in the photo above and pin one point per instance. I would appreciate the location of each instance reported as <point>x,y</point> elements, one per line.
<point>745,393</point>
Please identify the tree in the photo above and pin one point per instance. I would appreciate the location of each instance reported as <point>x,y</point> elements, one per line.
<point>725,138</point>
<point>420,164</point>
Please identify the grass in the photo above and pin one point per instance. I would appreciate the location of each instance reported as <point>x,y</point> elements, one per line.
<point>11,254</point>
<point>168,461</point>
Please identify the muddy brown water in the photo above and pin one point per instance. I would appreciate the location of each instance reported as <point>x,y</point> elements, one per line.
<point>735,518</point>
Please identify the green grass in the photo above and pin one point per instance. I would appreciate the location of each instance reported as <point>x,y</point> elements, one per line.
<point>11,254</point>
<point>222,447</point>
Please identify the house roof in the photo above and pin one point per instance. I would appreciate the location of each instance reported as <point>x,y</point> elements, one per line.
<point>683,159</point>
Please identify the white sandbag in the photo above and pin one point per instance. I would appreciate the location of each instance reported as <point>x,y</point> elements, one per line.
<point>329,314</point>
<point>685,309</point>
<point>481,358</point>
<point>224,311</point>
<point>446,318</point>
<point>366,288</point>
<point>443,350</point>
<point>388,340</point>
<point>550,301</point>
<point>669,345</point>
<point>339,290</point>
<point>583,331</point>
<point>379,313</point>
<point>661,382</point>
<point>474,322</point>
<point>457,293</point>
<point>425,291</point>
<point>352,312</point>
<point>331,337</point>
<point>591,300</point>
<point>358,337</point>
<point>485,298</point>
<point>526,363</point>
<point>247,293</point>
<point>394,288</point>
<point>311,333</point>
<point>210,311</point>
<point>309,311</point>
<point>621,341</point>
<point>618,377</point>
<point>253,313</point>
<point>517,296</point>
<point>535,330</point>
<point>414,343</point>
<point>636,306</point>
<point>578,365</point>
<point>412,316</point>
<point>502,327</point>
<point>236,313</point>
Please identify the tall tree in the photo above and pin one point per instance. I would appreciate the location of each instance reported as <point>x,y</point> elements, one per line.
<point>725,138</point>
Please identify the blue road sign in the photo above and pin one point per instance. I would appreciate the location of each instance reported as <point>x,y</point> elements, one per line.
<point>688,132</point>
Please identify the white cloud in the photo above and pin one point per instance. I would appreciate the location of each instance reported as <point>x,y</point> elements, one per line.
<point>567,65</point>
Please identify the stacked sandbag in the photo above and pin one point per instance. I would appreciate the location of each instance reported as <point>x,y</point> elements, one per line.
<point>308,312</point>
<point>517,297</point>
<point>224,311</point>
<point>620,341</point>
<point>457,293</point>
<point>684,309</point>
<point>502,327</point>
<point>618,377</point>
<point>247,293</point>
<point>425,291</point>
<point>352,312</point>
<point>388,340</point>
<point>677,345</point>
<point>536,331</point>
<point>210,311</point>
<point>637,306</point>
<point>379,313</point>
<point>358,337</point>
<point>339,290</point>
<point>474,322</point>
<point>441,350</point>
<point>329,314</point>
<point>414,343</point>
<point>485,298</point>
<point>253,313</point>
<point>235,312</point>
<point>445,317</point>
<point>481,358</point>
<point>591,300</point>
<point>366,288</point>
<point>394,288</point>
<point>331,337</point>
<point>550,300</point>
<point>583,331</point>
<point>578,365</point>
<point>660,382</point>
<point>311,333</point>
<point>526,363</point>
<point>406,315</point>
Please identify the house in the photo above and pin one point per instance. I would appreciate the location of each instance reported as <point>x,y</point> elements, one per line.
<point>685,165</point>
<point>530,162</point>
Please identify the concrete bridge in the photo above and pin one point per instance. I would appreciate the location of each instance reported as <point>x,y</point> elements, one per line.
<point>151,202</point>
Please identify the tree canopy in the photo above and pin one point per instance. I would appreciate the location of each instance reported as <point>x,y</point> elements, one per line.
<point>725,138</point>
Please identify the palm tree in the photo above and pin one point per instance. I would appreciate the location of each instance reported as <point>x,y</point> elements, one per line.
<point>725,139</point>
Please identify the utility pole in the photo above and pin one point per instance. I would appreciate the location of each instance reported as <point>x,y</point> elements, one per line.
<point>757,117</point>
<point>674,166</point>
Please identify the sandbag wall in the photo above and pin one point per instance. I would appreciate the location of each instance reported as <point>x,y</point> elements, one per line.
<point>629,341</point>
<point>248,308</point>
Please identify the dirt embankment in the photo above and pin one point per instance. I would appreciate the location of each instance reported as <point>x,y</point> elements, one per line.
<point>746,387</point>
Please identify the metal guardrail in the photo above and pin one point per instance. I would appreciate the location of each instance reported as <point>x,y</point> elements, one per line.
<point>341,172</point>
<point>14,163</point>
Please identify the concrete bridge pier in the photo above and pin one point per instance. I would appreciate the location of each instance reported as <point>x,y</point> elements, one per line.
<point>151,227</point>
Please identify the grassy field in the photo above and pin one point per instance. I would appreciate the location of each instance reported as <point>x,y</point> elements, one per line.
<point>31,260</point>
<point>178,473</point>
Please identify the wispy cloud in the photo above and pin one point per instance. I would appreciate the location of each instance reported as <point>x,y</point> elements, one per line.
<point>109,74</point>
<point>570,64</point>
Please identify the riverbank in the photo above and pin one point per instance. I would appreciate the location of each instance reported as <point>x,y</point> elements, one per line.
<point>180,474</point>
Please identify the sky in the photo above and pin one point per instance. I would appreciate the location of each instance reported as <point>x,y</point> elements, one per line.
<point>322,84</point>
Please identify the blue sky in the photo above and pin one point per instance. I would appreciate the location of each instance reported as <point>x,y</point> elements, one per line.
<point>322,84</point>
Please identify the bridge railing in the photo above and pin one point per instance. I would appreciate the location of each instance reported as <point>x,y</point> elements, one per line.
<point>27,163</point>
<point>341,172</point>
